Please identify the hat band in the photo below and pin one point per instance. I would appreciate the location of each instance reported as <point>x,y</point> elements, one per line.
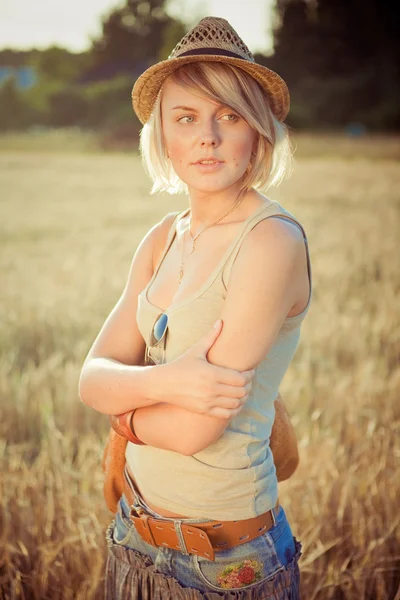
<point>217,51</point>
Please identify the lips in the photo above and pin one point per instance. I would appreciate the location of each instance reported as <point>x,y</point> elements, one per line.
<point>207,161</point>
<point>208,167</point>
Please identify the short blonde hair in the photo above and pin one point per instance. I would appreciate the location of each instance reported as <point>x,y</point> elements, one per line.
<point>230,86</point>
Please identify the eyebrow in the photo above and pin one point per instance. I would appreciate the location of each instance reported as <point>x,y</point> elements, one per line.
<point>180,107</point>
<point>184,108</point>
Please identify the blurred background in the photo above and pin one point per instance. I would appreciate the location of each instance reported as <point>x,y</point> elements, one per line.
<point>74,205</point>
<point>72,64</point>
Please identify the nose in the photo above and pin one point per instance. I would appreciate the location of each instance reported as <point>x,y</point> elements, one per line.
<point>208,141</point>
<point>209,135</point>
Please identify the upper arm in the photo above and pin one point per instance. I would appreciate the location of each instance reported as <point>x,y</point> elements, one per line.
<point>119,337</point>
<point>262,290</point>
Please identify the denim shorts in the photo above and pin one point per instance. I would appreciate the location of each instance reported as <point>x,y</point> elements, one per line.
<point>268,563</point>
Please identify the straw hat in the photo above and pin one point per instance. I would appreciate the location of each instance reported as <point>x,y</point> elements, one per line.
<point>212,40</point>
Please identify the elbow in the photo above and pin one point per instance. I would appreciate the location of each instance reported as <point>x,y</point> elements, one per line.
<point>85,391</point>
<point>83,388</point>
<point>182,444</point>
<point>188,449</point>
<point>192,446</point>
<point>187,434</point>
<point>197,441</point>
<point>180,447</point>
<point>184,451</point>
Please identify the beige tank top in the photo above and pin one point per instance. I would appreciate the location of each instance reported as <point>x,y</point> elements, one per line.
<point>233,478</point>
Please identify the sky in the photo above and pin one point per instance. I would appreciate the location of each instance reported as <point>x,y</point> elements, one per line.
<point>26,24</point>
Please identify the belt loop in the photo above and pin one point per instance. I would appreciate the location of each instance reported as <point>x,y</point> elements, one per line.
<point>273,517</point>
<point>135,510</point>
<point>178,529</point>
<point>137,506</point>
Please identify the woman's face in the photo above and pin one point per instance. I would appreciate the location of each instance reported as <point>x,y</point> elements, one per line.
<point>197,128</point>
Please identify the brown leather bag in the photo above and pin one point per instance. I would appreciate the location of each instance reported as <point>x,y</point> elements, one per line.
<point>113,466</point>
<point>283,445</point>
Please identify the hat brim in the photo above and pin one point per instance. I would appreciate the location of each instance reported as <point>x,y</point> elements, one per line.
<point>147,86</point>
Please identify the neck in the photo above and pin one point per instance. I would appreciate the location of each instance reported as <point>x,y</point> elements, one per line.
<point>207,208</point>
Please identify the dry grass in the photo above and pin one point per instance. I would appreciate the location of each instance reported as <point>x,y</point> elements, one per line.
<point>70,223</point>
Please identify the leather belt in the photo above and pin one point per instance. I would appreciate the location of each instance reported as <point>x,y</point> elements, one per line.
<point>202,539</point>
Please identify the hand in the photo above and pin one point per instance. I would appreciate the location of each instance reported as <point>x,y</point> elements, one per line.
<point>193,383</point>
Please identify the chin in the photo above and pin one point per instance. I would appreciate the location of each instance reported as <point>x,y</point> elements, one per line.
<point>211,186</point>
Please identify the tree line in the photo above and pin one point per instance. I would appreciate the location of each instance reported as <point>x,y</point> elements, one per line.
<point>340,59</point>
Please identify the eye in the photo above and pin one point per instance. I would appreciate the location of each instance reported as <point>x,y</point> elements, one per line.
<point>185,117</point>
<point>231,117</point>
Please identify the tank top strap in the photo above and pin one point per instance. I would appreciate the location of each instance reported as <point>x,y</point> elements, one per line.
<point>273,209</point>
<point>172,229</point>
<point>170,237</point>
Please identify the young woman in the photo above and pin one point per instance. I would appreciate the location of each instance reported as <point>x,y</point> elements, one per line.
<point>200,516</point>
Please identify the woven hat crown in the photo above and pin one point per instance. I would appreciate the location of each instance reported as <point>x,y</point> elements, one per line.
<point>213,39</point>
<point>212,32</point>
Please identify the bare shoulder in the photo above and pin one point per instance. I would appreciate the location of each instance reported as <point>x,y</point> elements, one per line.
<point>148,251</point>
<point>271,236</point>
<point>120,337</point>
<point>159,235</point>
<point>153,242</point>
<point>167,220</point>
<point>162,226</point>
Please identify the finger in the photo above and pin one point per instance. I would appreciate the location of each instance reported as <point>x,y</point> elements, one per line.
<point>233,377</point>
<point>228,403</point>
<point>233,391</point>
<point>249,374</point>
<point>225,413</point>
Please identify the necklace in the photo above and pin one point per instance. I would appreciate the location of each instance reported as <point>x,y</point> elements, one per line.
<point>235,205</point>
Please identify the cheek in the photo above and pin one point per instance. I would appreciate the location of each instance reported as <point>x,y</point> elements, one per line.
<point>242,153</point>
<point>176,150</point>
<point>242,147</point>
<point>177,147</point>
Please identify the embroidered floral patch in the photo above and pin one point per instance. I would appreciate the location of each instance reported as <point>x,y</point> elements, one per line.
<point>240,574</point>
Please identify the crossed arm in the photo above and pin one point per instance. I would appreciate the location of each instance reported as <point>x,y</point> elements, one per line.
<point>275,250</point>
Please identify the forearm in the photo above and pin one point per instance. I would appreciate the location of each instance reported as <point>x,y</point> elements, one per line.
<point>171,427</point>
<point>111,387</point>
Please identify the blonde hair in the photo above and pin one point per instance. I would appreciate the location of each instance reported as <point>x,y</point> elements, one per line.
<point>230,86</point>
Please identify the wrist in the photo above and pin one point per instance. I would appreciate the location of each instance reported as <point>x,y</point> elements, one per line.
<point>161,384</point>
<point>154,384</point>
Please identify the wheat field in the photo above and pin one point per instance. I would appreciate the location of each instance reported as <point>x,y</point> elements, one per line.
<point>71,218</point>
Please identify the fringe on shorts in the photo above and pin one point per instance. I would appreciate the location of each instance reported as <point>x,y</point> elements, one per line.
<point>132,576</point>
